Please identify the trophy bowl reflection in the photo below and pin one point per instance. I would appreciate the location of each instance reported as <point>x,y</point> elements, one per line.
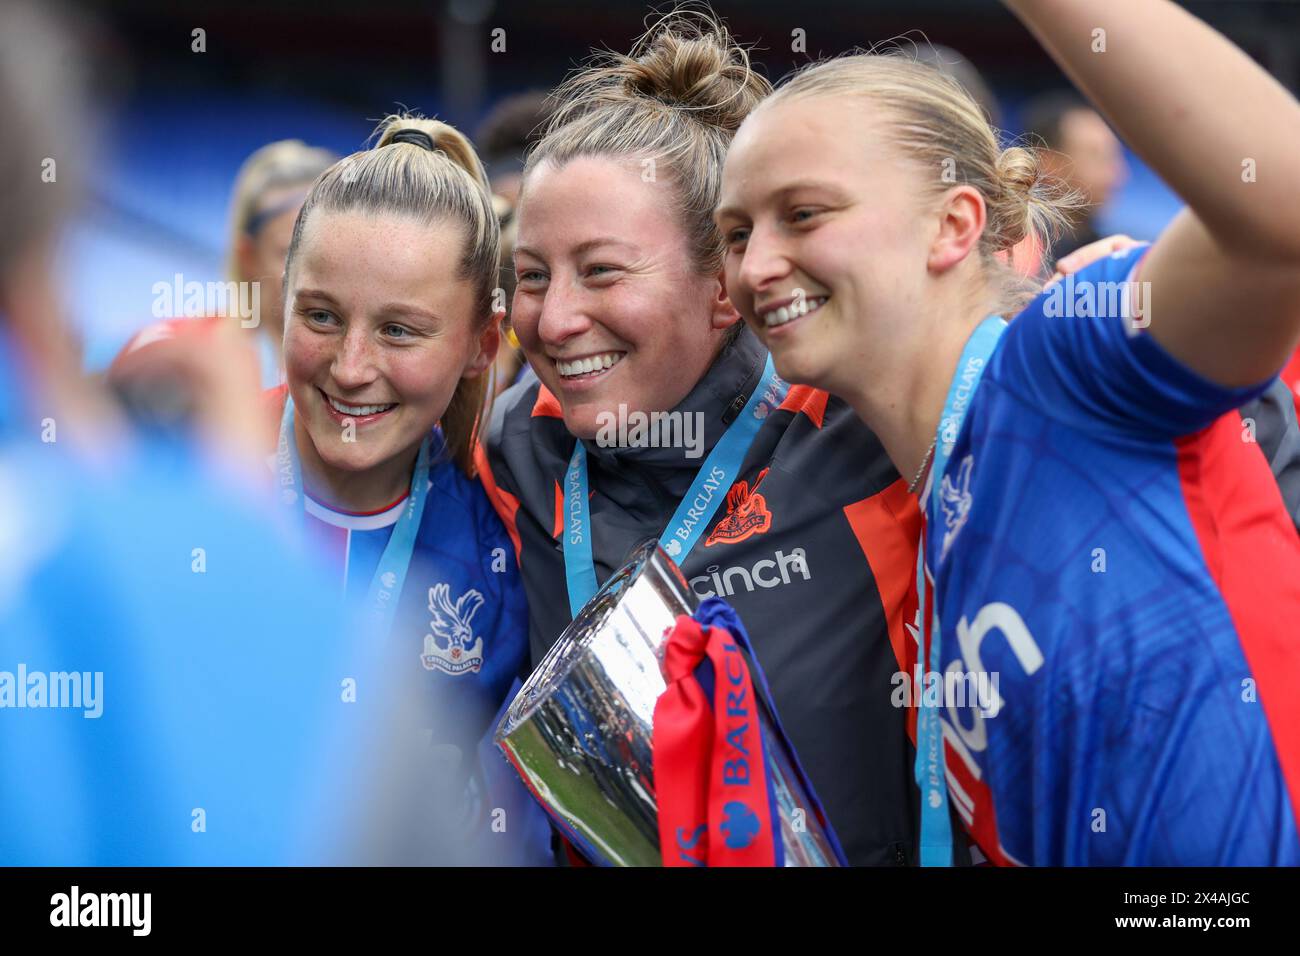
<point>579,731</point>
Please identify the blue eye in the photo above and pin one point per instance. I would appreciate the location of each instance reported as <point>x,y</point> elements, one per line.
<point>396,331</point>
<point>737,235</point>
<point>318,316</point>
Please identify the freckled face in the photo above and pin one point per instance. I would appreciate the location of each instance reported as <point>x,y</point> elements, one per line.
<point>826,244</point>
<point>380,329</point>
<point>608,307</point>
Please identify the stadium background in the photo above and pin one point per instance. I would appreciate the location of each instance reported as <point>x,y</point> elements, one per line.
<point>176,123</point>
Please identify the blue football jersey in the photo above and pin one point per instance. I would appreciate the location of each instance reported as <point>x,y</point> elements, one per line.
<point>459,644</point>
<point>1110,554</point>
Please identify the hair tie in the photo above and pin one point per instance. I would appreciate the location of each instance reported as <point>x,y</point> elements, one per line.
<point>416,137</point>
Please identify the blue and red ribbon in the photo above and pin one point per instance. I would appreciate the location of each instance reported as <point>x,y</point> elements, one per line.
<point>716,802</point>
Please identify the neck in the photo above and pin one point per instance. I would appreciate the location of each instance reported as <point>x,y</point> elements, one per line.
<point>903,400</point>
<point>344,489</point>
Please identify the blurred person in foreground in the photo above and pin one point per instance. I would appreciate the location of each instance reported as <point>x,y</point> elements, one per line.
<point>173,687</point>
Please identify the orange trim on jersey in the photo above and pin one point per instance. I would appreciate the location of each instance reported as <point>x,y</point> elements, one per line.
<point>1253,554</point>
<point>547,405</point>
<point>811,401</point>
<point>505,504</point>
<point>888,528</point>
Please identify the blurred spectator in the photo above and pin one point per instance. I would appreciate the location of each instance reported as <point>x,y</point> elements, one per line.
<point>504,136</point>
<point>1085,154</point>
<point>269,190</point>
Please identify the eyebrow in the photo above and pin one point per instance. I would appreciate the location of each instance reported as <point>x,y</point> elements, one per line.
<point>784,191</point>
<point>313,294</point>
<point>399,308</point>
<point>582,247</point>
<point>403,308</point>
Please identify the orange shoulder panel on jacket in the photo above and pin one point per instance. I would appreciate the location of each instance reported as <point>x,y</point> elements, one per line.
<point>888,528</point>
<point>811,401</point>
<point>547,405</point>
<point>505,504</point>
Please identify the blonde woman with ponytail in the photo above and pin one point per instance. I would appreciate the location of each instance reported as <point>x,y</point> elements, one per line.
<point>1105,550</point>
<point>389,334</point>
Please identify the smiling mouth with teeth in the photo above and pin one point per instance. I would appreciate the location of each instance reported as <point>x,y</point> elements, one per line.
<point>794,310</point>
<point>589,366</point>
<point>357,411</point>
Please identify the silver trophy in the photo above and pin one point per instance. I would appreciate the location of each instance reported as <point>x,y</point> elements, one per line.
<point>579,731</point>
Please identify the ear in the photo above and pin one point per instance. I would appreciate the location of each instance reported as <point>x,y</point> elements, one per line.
<point>722,314</point>
<point>488,343</point>
<point>961,223</point>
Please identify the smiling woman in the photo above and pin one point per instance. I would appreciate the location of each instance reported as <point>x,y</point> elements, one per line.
<point>791,510</point>
<point>1112,425</point>
<point>389,332</point>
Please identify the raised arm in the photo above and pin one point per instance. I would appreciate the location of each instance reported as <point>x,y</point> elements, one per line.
<point>1225,276</point>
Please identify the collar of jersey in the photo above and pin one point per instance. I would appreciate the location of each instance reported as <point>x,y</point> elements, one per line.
<point>354,521</point>
<point>733,375</point>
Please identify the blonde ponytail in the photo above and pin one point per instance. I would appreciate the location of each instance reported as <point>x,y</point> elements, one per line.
<point>432,176</point>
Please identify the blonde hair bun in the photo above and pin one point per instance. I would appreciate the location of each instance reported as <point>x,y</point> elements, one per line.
<point>676,98</point>
<point>689,61</point>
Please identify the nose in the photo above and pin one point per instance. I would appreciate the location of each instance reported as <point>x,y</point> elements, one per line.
<point>354,362</point>
<point>562,316</point>
<point>763,262</point>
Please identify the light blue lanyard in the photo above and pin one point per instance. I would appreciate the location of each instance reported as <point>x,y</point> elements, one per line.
<point>702,500</point>
<point>936,827</point>
<point>390,575</point>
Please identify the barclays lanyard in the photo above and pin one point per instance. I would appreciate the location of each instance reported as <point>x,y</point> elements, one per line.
<point>691,518</point>
<point>936,829</point>
<point>386,585</point>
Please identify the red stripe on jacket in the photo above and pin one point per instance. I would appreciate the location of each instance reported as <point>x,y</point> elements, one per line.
<point>888,528</point>
<point>1252,552</point>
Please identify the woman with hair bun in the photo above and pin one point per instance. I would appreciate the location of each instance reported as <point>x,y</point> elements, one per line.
<point>389,333</point>
<point>1104,543</point>
<point>800,522</point>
